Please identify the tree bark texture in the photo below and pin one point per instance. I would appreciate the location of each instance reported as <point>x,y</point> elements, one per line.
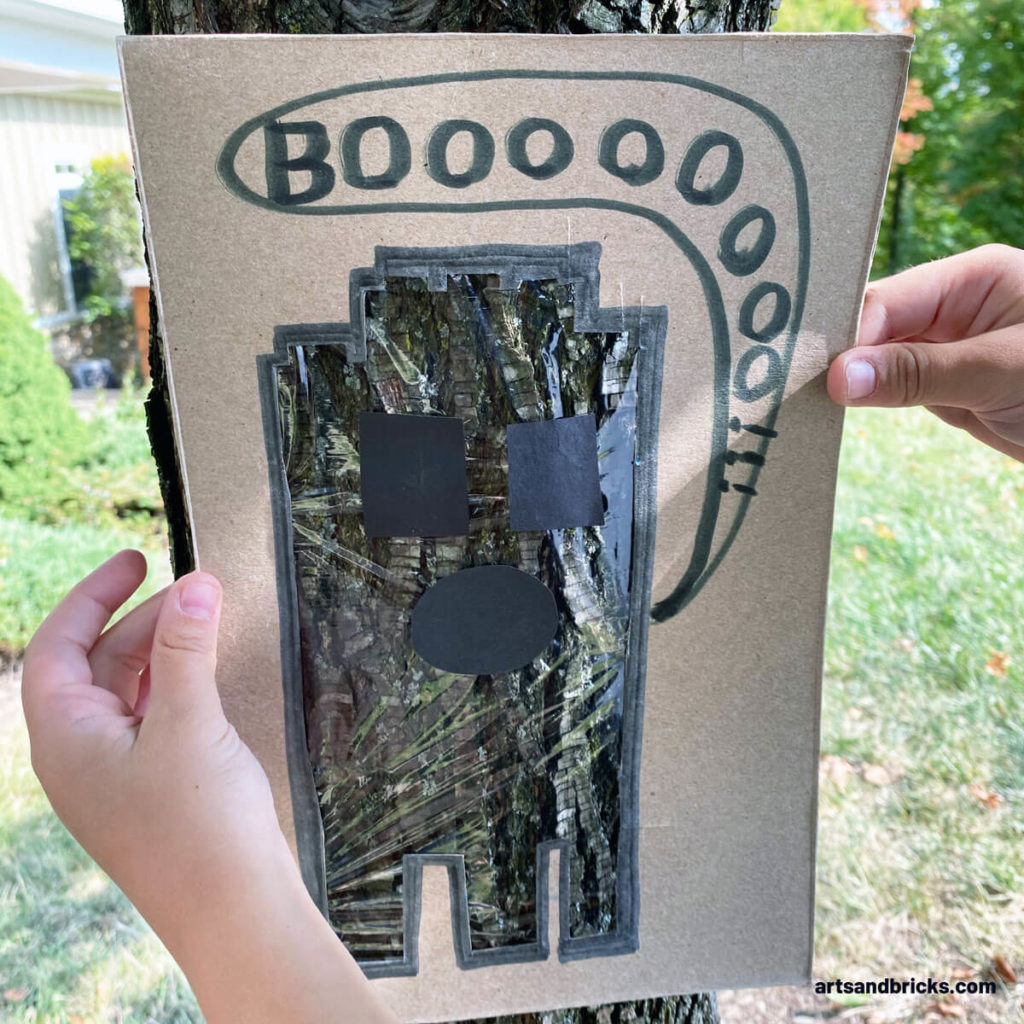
<point>148,17</point>
<point>491,762</point>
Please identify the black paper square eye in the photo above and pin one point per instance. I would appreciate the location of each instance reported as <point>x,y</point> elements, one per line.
<point>413,475</point>
<point>553,481</point>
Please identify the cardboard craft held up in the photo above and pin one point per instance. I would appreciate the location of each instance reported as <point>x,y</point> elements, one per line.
<point>648,248</point>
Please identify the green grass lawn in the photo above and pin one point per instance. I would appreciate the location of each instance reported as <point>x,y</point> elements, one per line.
<point>38,563</point>
<point>55,535</point>
<point>921,858</point>
<point>72,948</point>
<point>921,836</point>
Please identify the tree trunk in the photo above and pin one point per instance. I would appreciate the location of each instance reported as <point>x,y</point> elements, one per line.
<point>896,221</point>
<point>149,17</point>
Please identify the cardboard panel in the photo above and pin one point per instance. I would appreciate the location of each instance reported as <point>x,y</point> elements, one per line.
<point>666,236</point>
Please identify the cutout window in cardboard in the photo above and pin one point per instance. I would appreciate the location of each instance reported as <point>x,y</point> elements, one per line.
<point>469,698</point>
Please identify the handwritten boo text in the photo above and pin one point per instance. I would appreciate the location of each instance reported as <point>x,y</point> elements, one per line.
<point>314,158</point>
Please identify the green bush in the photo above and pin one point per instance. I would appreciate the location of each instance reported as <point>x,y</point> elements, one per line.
<point>56,468</point>
<point>40,435</point>
<point>115,478</point>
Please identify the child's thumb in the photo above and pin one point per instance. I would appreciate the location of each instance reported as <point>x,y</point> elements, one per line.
<point>184,655</point>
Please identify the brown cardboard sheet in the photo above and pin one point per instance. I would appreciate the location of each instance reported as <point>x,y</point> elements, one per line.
<point>729,185</point>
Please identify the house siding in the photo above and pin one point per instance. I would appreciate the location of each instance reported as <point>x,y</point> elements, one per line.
<point>36,133</point>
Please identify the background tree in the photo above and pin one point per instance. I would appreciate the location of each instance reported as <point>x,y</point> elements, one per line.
<point>104,238</point>
<point>145,17</point>
<point>957,177</point>
<point>822,16</point>
<point>962,183</point>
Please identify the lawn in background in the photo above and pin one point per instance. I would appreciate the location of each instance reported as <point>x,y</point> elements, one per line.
<point>921,829</point>
<point>921,834</point>
<point>72,949</point>
<point>108,501</point>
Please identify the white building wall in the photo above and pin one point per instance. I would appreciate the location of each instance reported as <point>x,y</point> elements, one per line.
<point>38,135</point>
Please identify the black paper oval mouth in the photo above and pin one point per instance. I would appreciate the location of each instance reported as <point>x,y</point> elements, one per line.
<point>482,621</point>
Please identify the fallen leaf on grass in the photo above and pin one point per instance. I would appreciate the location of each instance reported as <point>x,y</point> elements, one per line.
<point>962,973</point>
<point>875,774</point>
<point>15,995</point>
<point>1004,970</point>
<point>906,644</point>
<point>867,521</point>
<point>884,532</point>
<point>856,714</point>
<point>860,553</point>
<point>997,664</point>
<point>837,770</point>
<point>988,797</point>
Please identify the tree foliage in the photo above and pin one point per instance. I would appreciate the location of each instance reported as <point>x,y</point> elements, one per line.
<point>104,235</point>
<point>957,178</point>
<point>964,185</point>
<point>821,16</point>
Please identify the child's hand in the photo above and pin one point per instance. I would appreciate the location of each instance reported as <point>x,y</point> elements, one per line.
<point>948,335</point>
<point>144,770</point>
<point>132,747</point>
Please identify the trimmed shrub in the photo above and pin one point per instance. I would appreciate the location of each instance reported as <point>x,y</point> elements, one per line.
<point>40,434</point>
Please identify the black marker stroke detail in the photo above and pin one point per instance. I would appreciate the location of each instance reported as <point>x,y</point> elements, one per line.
<point>437,153</point>
<point>278,165</point>
<point>771,380</point>
<point>632,174</point>
<point>780,312</point>
<point>686,179</point>
<point>562,148</point>
<point>399,153</point>
<point>742,262</point>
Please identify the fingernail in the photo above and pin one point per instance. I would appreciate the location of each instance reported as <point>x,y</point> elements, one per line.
<point>860,379</point>
<point>199,599</point>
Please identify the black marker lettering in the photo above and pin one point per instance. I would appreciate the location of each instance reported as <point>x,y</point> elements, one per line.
<point>773,374</point>
<point>437,153</point>
<point>727,181</point>
<point>562,149</point>
<point>399,150</point>
<point>780,312</point>
<point>632,174</point>
<point>746,261</point>
<point>279,166</point>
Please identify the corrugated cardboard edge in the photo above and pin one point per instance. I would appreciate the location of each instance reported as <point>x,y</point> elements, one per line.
<point>179,447</point>
<point>903,54</point>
